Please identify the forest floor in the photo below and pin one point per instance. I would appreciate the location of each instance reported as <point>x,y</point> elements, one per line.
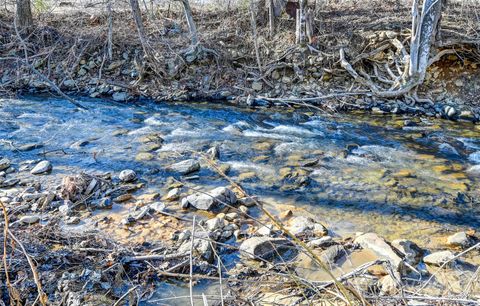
<point>71,49</point>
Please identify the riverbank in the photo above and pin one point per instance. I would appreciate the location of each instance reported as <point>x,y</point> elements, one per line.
<point>70,50</point>
<point>104,201</point>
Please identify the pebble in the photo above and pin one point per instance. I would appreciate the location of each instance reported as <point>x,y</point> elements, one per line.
<point>29,219</point>
<point>42,167</point>
<point>173,195</point>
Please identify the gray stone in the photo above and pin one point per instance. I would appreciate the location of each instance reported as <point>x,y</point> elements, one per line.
<point>265,247</point>
<point>120,96</point>
<point>4,163</point>
<point>29,219</point>
<point>202,246</point>
<point>332,254</point>
<point>301,225</point>
<point>158,207</point>
<point>217,196</point>
<point>42,167</point>
<point>127,176</point>
<point>409,249</point>
<point>379,246</point>
<point>458,239</point>
<point>321,242</point>
<point>214,224</point>
<point>185,167</point>
<point>257,86</point>
<point>29,147</point>
<point>173,194</point>
<point>438,258</point>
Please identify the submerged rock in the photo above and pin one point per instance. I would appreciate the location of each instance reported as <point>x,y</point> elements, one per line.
<point>185,167</point>
<point>127,176</point>
<point>379,246</point>
<point>438,258</point>
<point>42,167</point>
<point>265,247</point>
<point>217,196</point>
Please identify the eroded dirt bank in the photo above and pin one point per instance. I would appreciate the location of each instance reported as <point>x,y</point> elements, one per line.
<point>72,50</point>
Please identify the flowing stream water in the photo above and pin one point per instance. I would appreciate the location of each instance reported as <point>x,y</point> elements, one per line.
<point>413,179</point>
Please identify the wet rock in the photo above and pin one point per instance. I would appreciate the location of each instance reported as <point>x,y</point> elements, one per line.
<point>42,167</point>
<point>217,196</point>
<point>158,207</point>
<point>120,96</point>
<point>409,249</point>
<point>104,203</point>
<point>29,147</point>
<point>243,209</point>
<point>214,152</point>
<point>265,247</point>
<point>144,156</point>
<point>438,258</point>
<point>127,176</point>
<point>123,198</point>
<point>214,224</point>
<point>72,220</point>
<point>29,219</point>
<point>231,216</point>
<point>380,247</point>
<point>247,201</point>
<point>265,230</point>
<point>321,242</point>
<point>201,246</point>
<point>4,163</point>
<point>9,183</point>
<point>460,239</point>
<point>172,195</point>
<point>450,111</point>
<point>389,285</point>
<point>332,254</point>
<point>304,226</point>
<point>185,167</point>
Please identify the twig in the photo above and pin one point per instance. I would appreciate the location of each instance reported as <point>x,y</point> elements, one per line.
<point>125,295</point>
<point>191,261</point>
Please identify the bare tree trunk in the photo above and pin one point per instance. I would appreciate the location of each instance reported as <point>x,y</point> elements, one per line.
<point>192,28</point>
<point>24,17</point>
<point>424,29</point>
<point>137,16</point>
<point>110,30</point>
<point>253,21</point>
<point>271,17</point>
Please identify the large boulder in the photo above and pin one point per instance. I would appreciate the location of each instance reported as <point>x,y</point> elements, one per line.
<point>266,247</point>
<point>380,247</point>
<point>216,197</point>
<point>185,166</point>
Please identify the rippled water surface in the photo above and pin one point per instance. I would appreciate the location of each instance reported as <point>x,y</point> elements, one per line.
<point>355,172</point>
